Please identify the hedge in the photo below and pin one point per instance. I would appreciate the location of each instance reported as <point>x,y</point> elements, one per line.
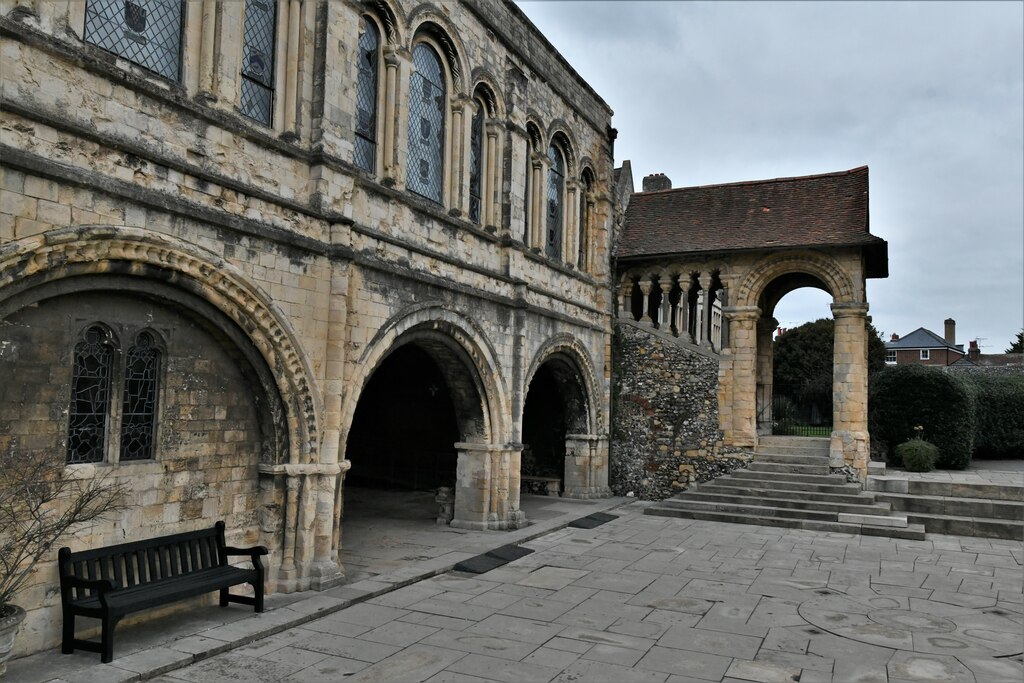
<point>999,421</point>
<point>906,396</point>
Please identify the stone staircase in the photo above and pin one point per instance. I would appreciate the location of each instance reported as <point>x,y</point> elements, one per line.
<point>964,509</point>
<point>788,484</point>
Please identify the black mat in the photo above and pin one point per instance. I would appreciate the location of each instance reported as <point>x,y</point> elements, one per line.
<point>492,559</point>
<point>591,521</point>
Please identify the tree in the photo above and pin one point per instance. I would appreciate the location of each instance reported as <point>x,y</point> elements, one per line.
<point>1018,344</point>
<point>802,368</point>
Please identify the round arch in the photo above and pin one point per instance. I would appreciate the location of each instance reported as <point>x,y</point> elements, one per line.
<point>427,22</point>
<point>177,265</point>
<point>467,359</point>
<point>390,17</point>
<point>823,267</point>
<point>485,87</point>
<point>573,357</point>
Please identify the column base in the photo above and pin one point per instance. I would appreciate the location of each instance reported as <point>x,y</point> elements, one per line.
<point>324,575</point>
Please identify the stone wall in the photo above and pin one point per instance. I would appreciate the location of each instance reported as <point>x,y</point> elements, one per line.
<point>665,432</point>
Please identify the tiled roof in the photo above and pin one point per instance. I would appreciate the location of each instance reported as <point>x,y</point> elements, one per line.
<point>809,211</point>
<point>921,339</point>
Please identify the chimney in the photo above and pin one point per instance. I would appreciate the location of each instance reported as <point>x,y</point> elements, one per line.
<point>895,337</point>
<point>657,181</point>
<point>950,331</point>
<point>973,352</point>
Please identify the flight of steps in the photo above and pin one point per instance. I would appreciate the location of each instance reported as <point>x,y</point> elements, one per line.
<point>963,509</point>
<point>788,484</point>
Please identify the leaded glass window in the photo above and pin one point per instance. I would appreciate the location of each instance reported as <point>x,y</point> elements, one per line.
<point>427,100</point>
<point>138,414</point>
<point>366,97</point>
<point>258,36</point>
<point>476,161</point>
<point>90,396</point>
<point>556,183</point>
<point>146,32</point>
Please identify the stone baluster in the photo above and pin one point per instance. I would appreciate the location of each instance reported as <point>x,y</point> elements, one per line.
<point>683,310</point>
<point>645,287</point>
<point>626,292</point>
<point>704,333</point>
<point>665,318</point>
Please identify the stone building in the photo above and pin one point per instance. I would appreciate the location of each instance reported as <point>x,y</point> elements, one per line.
<point>251,250</point>
<point>742,246</point>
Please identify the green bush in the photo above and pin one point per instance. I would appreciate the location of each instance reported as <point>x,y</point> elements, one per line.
<point>905,396</point>
<point>917,455</point>
<point>999,415</point>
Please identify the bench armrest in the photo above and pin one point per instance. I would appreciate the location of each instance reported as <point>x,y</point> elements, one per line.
<point>252,552</point>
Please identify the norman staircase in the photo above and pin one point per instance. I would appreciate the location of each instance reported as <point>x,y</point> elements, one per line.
<point>788,484</point>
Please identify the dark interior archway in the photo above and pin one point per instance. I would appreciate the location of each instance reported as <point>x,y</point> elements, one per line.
<point>555,407</point>
<point>405,428</point>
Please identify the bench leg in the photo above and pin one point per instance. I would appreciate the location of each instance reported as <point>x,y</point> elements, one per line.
<point>107,642</point>
<point>67,643</point>
<point>258,596</point>
<point>224,597</point>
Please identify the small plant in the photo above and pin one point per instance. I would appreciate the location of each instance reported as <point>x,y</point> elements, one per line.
<point>40,502</point>
<point>917,454</point>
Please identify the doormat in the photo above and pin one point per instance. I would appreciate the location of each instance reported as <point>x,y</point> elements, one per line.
<point>591,521</point>
<point>492,559</point>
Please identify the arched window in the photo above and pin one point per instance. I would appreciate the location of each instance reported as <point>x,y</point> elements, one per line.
<point>427,102</point>
<point>146,32</point>
<point>366,96</point>
<point>98,367</point>
<point>556,200</point>
<point>91,373</point>
<point>138,414</point>
<point>476,163</point>
<point>258,37</point>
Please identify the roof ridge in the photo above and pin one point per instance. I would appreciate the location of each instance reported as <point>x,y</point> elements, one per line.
<point>766,181</point>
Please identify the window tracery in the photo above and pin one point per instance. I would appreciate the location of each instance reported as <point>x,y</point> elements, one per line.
<point>146,32</point>
<point>258,36</point>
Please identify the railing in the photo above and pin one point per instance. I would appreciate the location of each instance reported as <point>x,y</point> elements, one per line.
<point>795,413</point>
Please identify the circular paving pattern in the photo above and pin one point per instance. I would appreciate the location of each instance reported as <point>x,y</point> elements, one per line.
<point>915,624</point>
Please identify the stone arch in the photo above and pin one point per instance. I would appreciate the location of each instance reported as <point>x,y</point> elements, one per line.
<point>485,87</point>
<point>558,134</point>
<point>425,21</point>
<point>533,132</point>
<point>453,338</point>
<point>176,265</point>
<point>389,17</point>
<point>568,351</point>
<point>563,367</point>
<point>821,266</point>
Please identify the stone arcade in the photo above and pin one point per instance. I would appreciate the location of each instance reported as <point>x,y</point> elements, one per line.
<point>249,249</point>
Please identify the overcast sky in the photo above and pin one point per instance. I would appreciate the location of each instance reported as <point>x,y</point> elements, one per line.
<point>930,96</point>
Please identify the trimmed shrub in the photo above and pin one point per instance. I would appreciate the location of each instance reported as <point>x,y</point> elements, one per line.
<point>906,396</point>
<point>999,415</point>
<point>917,455</point>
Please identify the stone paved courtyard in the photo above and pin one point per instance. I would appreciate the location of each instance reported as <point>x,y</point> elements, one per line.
<point>656,599</point>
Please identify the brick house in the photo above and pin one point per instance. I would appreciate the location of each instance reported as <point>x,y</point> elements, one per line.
<point>924,347</point>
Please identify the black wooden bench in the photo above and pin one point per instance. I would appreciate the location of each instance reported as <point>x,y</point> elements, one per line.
<point>109,583</point>
<point>545,486</point>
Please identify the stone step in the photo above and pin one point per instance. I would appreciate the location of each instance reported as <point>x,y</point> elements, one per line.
<point>791,459</point>
<point>790,450</point>
<point>820,468</point>
<point>823,479</point>
<point>910,532</point>
<point>746,506</point>
<point>816,443</point>
<point>920,487</point>
<point>955,506</point>
<point>969,526</point>
<point>772,486</point>
<point>862,505</point>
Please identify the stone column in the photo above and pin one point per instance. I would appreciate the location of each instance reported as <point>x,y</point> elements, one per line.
<point>487,487</point>
<point>626,292</point>
<point>725,321</point>
<point>665,319</point>
<point>645,287</point>
<point>704,333</point>
<point>586,467</point>
<point>737,379</point>
<point>492,176</point>
<point>570,223</point>
<point>850,444</point>
<point>537,193</point>
<point>458,181</point>
<point>765,329</point>
<point>391,74</point>
<point>291,82</point>
<point>683,310</point>
<point>206,51</point>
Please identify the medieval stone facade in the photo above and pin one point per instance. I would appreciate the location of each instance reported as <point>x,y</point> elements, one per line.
<point>244,244</point>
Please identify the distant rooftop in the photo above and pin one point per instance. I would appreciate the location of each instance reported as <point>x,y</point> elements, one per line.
<point>922,339</point>
<point>809,211</point>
